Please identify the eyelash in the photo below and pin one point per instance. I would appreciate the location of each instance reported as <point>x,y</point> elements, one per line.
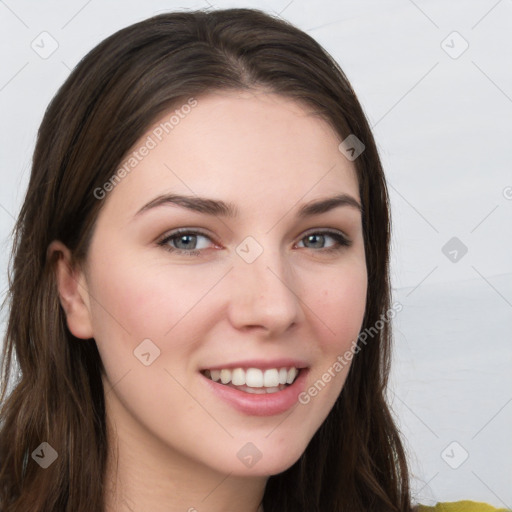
<point>341,240</point>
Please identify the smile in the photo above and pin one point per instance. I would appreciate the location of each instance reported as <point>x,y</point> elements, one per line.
<point>254,380</point>
<point>256,391</point>
<point>254,377</point>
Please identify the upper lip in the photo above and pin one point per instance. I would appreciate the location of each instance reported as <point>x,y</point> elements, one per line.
<point>260,363</point>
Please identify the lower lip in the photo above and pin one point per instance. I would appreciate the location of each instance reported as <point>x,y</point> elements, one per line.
<point>267,404</point>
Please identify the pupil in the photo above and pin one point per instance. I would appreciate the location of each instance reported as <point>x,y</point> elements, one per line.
<point>312,237</point>
<point>185,237</point>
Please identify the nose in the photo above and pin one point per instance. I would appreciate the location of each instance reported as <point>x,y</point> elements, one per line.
<point>263,295</point>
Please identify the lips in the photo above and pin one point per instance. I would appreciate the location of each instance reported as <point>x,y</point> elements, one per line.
<point>259,401</point>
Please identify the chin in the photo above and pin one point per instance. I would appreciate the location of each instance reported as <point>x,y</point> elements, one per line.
<point>254,459</point>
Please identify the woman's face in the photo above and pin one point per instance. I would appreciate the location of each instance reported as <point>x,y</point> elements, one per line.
<point>266,288</point>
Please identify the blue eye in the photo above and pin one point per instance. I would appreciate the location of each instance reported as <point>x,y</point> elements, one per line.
<point>188,239</point>
<point>341,241</point>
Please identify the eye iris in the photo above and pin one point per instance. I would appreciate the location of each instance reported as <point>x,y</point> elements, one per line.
<point>320,237</point>
<point>181,237</point>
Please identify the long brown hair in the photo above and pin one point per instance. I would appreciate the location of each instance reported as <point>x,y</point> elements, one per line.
<point>355,461</point>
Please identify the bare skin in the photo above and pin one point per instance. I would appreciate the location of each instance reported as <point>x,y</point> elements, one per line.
<point>176,441</point>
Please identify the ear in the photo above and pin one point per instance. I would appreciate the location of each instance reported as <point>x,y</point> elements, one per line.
<point>73,290</point>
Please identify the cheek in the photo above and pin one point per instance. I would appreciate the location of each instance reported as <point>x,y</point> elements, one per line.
<point>133,300</point>
<point>340,305</point>
<point>145,299</point>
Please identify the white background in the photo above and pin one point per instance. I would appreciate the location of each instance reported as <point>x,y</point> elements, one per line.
<point>442,125</point>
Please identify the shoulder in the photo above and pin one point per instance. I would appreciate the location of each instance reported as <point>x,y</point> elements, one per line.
<point>459,506</point>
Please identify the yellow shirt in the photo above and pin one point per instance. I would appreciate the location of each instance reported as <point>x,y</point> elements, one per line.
<point>461,506</point>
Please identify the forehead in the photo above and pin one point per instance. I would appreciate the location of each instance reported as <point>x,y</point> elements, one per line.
<point>244,147</point>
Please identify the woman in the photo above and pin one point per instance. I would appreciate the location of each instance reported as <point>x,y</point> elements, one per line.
<point>246,369</point>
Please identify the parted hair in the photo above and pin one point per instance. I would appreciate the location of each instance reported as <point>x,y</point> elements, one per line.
<point>356,460</point>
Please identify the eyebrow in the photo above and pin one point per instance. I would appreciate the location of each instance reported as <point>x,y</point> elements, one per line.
<point>223,209</point>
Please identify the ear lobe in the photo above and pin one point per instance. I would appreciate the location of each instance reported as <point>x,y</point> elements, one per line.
<point>73,290</point>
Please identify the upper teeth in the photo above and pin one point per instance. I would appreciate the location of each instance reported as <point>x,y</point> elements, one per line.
<point>254,377</point>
